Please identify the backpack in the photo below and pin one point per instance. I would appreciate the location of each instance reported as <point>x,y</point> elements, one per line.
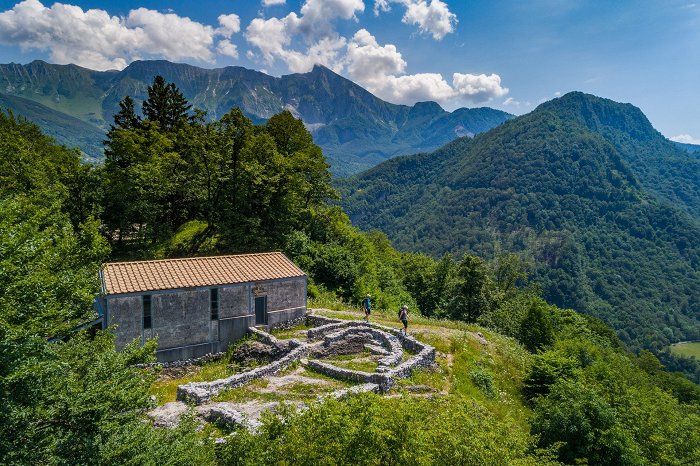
<point>400,309</point>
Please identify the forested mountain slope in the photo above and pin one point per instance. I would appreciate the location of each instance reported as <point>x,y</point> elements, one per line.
<point>65,129</point>
<point>582,188</point>
<point>355,129</point>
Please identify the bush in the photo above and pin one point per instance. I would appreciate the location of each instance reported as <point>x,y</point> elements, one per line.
<point>547,369</point>
<point>483,380</point>
<point>368,429</point>
<point>582,426</point>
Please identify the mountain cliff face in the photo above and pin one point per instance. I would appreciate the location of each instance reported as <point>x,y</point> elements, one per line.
<point>355,129</point>
<point>604,207</point>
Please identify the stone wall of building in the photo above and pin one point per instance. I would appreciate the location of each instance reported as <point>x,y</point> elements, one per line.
<point>234,301</point>
<point>126,314</point>
<point>181,318</point>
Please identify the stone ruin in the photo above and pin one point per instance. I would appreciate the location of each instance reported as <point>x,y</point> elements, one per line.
<point>327,338</point>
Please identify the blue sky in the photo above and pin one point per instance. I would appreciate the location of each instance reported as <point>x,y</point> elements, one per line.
<point>510,55</point>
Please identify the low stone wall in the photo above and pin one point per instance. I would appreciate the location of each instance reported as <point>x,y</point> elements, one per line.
<point>384,381</point>
<point>364,388</point>
<point>201,392</point>
<point>222,414</point>
<point>287,324</point>
<point>317,321</point>
<point>332,330</point>
<point>185,362</point>
<point>264,336</point>
<point>318,333</point>
<point>390,342</point>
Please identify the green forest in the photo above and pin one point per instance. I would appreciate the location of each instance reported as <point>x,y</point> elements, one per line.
<point>175,185</point>
<point>600,206</point>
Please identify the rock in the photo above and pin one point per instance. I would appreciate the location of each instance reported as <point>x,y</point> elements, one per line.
<point>168,415</point>
<point>479,336</point>
<point>377,349</point>
<point>420,389</point>
<point>254,351</point>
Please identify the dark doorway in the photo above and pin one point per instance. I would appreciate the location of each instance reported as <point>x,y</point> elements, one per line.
<point>261,310</point>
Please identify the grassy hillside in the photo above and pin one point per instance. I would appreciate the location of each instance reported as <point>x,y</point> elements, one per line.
<point>690,349</point>
<point>66,130</point>
<point>547,186</point>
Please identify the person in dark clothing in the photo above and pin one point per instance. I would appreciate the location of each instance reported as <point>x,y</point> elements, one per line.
<point>367,306</point>
<point>403,317</point>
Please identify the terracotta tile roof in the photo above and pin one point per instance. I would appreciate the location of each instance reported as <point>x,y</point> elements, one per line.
<point>168,274</point>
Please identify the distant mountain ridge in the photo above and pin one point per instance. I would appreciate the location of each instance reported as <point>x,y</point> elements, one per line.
<point>355,129</point>
<point>605,207</point>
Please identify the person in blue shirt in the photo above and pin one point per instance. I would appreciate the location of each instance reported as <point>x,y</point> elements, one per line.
<point>367,306</point>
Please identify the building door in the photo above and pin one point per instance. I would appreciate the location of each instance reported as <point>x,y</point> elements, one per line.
<point>261,310</point>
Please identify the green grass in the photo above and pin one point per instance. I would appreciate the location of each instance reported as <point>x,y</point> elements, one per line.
<point>292,332</point>
<point>502,360</point>
<point>193,237</point>
<point>691,348</point>
<point>296,391</point>
<point>165,390</point>
<point>353,362</point>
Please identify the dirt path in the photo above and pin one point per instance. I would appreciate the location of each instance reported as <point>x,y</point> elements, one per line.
<point>450,362</point>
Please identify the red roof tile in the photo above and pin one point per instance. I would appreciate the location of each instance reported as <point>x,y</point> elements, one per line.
<point>168,274</point>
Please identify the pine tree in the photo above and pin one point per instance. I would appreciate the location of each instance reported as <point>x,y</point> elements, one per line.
<point>165,105</point>
<point>536,330</point>
<point>126,117</point>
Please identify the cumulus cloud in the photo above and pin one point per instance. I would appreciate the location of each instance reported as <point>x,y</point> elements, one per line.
<point>686,139</point>
<point>225,47</point>
<point>229,25</point>
<point>381,68</point>
<point>432,17</point>
<point>273,37</point>
<point>94,39</point>
<point>273,2</point>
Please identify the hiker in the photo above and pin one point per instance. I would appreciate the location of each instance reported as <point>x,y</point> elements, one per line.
<point>367,306</point>
<point>403,317</point>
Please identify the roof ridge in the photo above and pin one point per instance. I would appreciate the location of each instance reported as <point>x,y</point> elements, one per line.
<point>182,259</point>
<point>188,272</point>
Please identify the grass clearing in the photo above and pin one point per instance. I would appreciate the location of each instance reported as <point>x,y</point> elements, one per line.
<point>165,388</point>
<point>298,331</point>
<point>687,348</point>
<point>491,373</point>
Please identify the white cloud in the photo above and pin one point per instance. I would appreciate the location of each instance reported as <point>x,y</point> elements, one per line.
<point>229,25</point>
<point>511,102</point>
<point>326,52</point>
<point>273,2</point>
<point>225,47</point>
<point>270,36</point>
<point>94,39</point>
<point>381,70</point>
<point>432,17</point>
<point>273,37</point>
<point>686,139</point>
<point>317,17</point>
<point>368,62</point>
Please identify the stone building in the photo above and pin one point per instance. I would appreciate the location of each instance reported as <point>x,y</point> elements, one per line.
<point>199,305</point>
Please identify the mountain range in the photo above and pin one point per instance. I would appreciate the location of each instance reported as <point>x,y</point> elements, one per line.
<point>355,129</point>
<point>605,209</point>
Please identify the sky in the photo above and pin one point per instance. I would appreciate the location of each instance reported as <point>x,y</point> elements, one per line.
<point>510,55</point>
